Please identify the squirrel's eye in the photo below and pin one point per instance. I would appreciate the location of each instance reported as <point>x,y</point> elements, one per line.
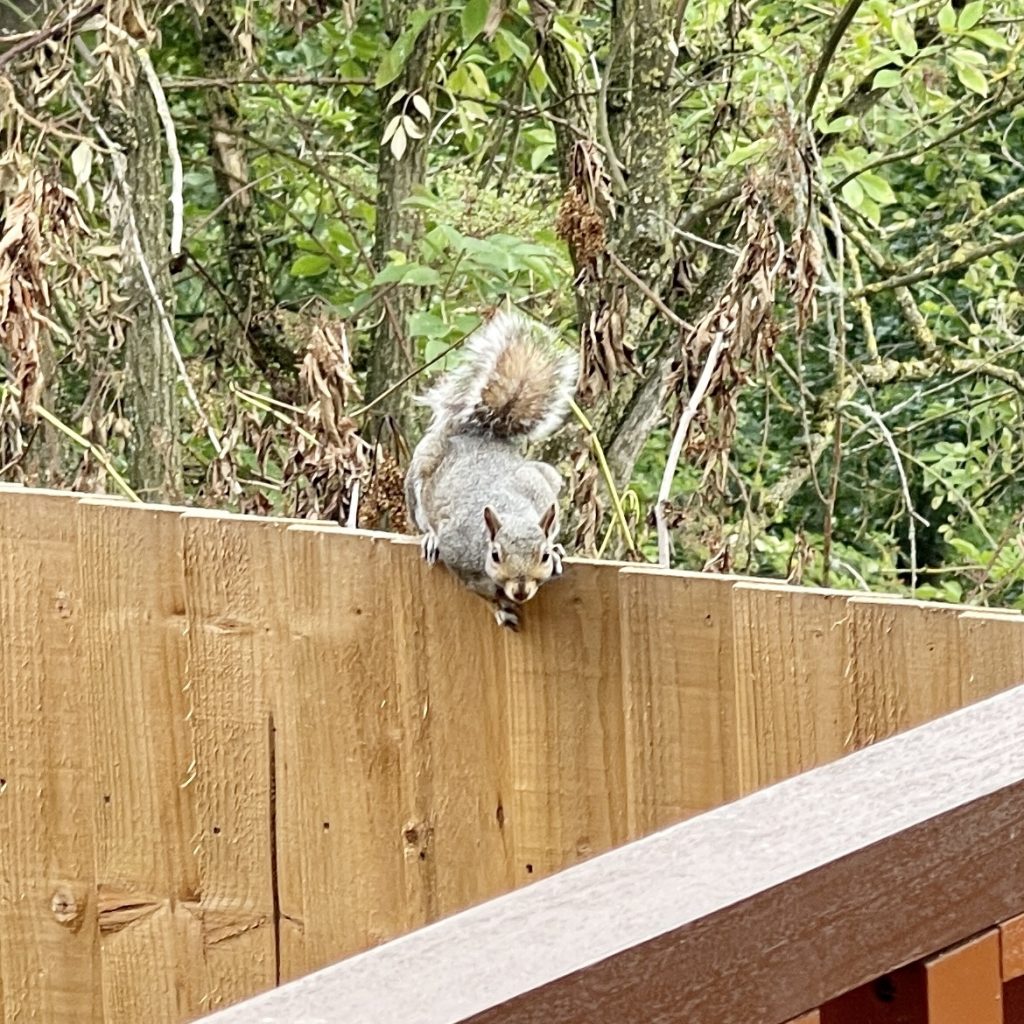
<point>545,558</point>
<point>495,556</point>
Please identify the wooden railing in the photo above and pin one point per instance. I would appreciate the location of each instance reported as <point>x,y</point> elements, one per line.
<point>782,903</point>
<point>235,750</point>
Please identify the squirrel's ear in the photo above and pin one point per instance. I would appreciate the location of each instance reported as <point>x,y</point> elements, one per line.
<point>547,521</point>
<point>492,521</point>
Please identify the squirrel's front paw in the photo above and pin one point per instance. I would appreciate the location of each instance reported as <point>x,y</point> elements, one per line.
<point>557,554</point>
<point>507,618</point>
<point>430,547</point>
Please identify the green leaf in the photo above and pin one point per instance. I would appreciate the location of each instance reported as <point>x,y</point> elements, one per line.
<point>310,265</point>
<point>853,193</point>
<point>904,36</point>
<point>743,154</point>
<point>427,325</point>
<point>839,124</point>
<point>407,273</point>
<point>474,17</point>
<point>947,19</point>
<point>970,15</point>
<point>877,188</point>
<point>989,37</point>
<point>887,78</point>
<point>972,79</point>
<point>394,60</point>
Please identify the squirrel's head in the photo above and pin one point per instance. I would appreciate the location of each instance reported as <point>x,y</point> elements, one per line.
<point>520,556</point>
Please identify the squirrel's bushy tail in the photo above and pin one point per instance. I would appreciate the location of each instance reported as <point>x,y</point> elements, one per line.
<point>515,381</point>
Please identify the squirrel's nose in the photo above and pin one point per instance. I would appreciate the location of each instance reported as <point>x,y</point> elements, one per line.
<point>520,592</point>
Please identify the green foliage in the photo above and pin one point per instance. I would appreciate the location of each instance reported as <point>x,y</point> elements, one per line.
<point>902,162</point>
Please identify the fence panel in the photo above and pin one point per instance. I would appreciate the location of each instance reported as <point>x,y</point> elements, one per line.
<point>234,664</point>
<point>131,640</point>
<point>49,936</point>
<point>567,767</point>
<point>679,695</point>
<point>235,750</point>
<point>338,765</point>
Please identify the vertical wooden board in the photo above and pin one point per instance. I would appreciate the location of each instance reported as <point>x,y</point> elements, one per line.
<point>339,814</point>
<point>904,667</point>
<point>566,723</point>
<point>450,672</point>
<point>679,695</point>
<point>790,667</point>
<point>132,648</point>
<point>233,660</point>
<point>964,983</point>
<point>992,652</point>
<point>1011,937</point>
<point>49,951</point>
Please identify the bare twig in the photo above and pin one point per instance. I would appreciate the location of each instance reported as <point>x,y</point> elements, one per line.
<point>912,515</point>
<point>842,23</point>
<point>97,453</point>
<point>318,80</point>
<point>651,294</point>
<point>613,494</point>
<point>721,343</point>
<point>69,24</point>
<point>119,166</point>
<point>1009,103</point>
<point>963,258</point>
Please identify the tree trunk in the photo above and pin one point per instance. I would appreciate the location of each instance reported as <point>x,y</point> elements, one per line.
<point>398,228</point>
<point>621,328</point>
<point>250,330</point>
<point>150,374</point>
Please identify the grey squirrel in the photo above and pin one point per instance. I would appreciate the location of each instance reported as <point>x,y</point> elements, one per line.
<point>485,511</point>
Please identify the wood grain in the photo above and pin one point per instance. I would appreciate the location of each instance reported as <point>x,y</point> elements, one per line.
<point>991,651</point>
<point>233,632</point>
<point>49,937</point>
<point>567,752</point>
<point>678,695</point>
<point>720,920</point>
<point>339,815</point>
<point>453,695</point>
<point>904,667</point>
<point>131,586</point>
<point>790,680</point>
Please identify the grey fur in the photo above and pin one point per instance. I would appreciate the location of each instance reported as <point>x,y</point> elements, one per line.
<point>460,467</point>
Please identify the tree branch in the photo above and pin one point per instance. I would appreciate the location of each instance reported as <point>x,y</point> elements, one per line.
<point>956,262</point>
<point>838,30</point>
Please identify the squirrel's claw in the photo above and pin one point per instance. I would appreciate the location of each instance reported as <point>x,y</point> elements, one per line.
<point>430,547</point>
<point>557,554</point>
<point>506,615</point>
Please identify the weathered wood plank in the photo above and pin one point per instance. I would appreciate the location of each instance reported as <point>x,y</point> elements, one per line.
<point>339,817</point>
<point>720,920</point>
<point>991,651</point>
<point>567,752</point>
<point>905,667</point>
<point>678,695</point>
<point>791,660</point>
<point>1012,939</point>
<point>452,691</point>
<point>233,663</point>
<point>131,640</point>
<point>49,939</point>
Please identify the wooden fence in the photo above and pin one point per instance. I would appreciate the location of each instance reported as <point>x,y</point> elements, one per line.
<point>885,888</point>
<point>236,750</point>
